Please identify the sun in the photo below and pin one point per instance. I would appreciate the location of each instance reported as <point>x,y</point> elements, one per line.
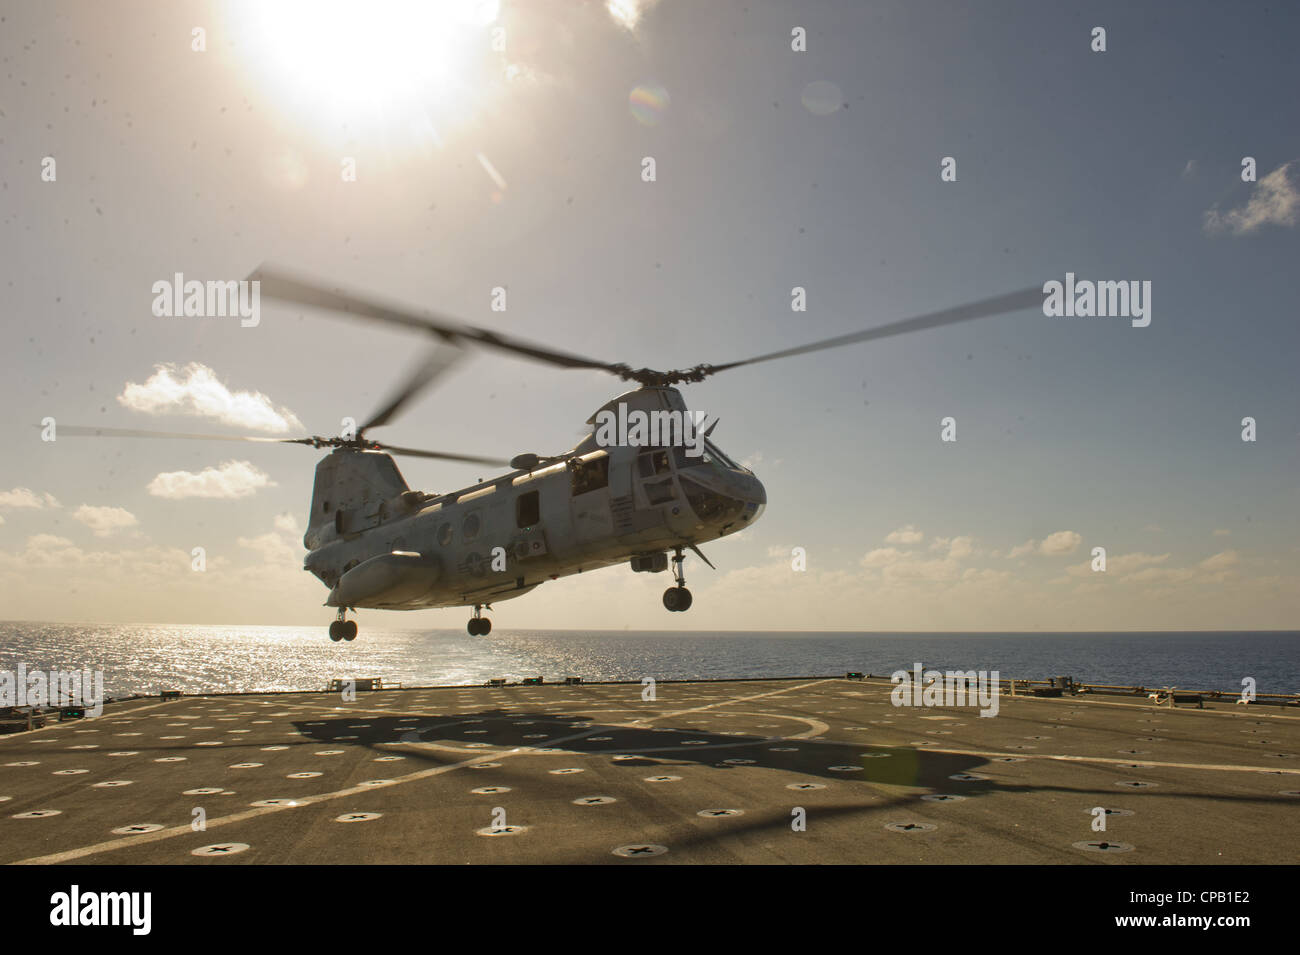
<point>360,64</point>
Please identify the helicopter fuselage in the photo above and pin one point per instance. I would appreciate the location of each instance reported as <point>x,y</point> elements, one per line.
<point>501,538</point>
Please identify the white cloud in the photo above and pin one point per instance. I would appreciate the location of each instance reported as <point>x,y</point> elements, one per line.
<point>195,390</point>
<point>25,497</point>
<point>1020,550</point>
<point>1274,200</point>
<point>287,523</point>
<point>1062,542</point>
<point>1222,561</point>
<point>961,547</point>
<point>104,521</point>
<point>228,481</point>
<point>905,535</point>
<point>883,556</point>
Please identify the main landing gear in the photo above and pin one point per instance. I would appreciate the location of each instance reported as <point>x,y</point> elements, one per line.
<point>479,625</point>
<point>678,599</point>
<point>342,629</point>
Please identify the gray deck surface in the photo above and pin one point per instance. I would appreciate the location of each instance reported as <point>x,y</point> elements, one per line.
<point>709,771</point>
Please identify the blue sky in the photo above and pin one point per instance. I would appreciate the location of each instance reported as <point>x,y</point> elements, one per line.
<point>1117,165</point>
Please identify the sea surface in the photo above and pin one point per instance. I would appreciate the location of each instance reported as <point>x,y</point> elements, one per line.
<point>139,658</point>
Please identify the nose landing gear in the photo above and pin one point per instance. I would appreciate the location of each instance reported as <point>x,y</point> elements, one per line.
<point>479,626</point>
<point>343,629</point>
<point>678,599</point>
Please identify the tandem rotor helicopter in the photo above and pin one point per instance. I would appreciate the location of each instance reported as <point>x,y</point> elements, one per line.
<point>378,544</point>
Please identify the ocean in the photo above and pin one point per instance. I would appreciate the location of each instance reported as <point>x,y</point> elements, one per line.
<point>146,659</point>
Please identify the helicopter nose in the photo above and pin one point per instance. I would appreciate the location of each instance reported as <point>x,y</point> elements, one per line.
<point>750,491</point>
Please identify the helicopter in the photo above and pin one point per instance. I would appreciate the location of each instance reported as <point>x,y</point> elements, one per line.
<point>613,498</point>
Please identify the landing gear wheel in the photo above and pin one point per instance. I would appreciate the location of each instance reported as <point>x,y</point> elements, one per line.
<point>349,629</point>
<point>677,599</point>
<point>336,630</point>
<point>479,626</point>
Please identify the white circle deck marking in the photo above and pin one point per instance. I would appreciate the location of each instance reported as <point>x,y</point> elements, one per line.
<point>275,802</point>
<point>221,849</point>
<point>594,800</point>
<point>566,771</point>
<point>37,814</point>
<point>137,829</point>
<point>639,851</point>
<point>490,790</point>
<point>171,759</point>
<point>358,816</point>
<point>245,765</point>
<point>712,813</point>
<point>911,826</point>
<point>26,762</point>
<point>968,777</point>
<point>805,786</point>
<point>1103,846</point>
<point>942,797</point>
<point>302,775</point>
<point>69,772</point>
<point>501,830</point>
<point>663,779</point>
<point>204,791</point>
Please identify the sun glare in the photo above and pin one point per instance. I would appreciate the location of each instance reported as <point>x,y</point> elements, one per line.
<point>389,62</point>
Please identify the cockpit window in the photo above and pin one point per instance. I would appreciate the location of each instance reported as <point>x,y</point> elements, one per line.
<point>711,448</point>
<point>710,455</point>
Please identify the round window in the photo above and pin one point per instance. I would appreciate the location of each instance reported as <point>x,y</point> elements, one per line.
<point>444,535</point>
<point>470,527</point>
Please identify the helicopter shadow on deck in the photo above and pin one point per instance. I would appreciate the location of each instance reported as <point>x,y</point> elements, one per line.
<point>647,748</point>
<point>666,747</point>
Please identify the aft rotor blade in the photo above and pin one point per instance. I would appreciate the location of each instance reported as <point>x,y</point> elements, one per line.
<point>98,432</point>
<point>1001,305</point>
<point>434,365</point>
<point>300,291</point>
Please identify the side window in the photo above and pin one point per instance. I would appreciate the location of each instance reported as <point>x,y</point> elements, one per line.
<point>444,534</point>
<point>590,475</point>
<point>652,462</point>
<point>469,529</point>
<point>527,510</point>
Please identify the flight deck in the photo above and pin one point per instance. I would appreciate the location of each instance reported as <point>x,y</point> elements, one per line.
<point>809,770</point>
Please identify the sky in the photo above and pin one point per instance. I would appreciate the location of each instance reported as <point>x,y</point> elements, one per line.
<point>430,153</point>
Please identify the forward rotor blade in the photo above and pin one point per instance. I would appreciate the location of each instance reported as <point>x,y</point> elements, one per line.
<point>434,365</point>
<point>301,291</point>
<point>439,455</point>
<point>1001,305</point>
